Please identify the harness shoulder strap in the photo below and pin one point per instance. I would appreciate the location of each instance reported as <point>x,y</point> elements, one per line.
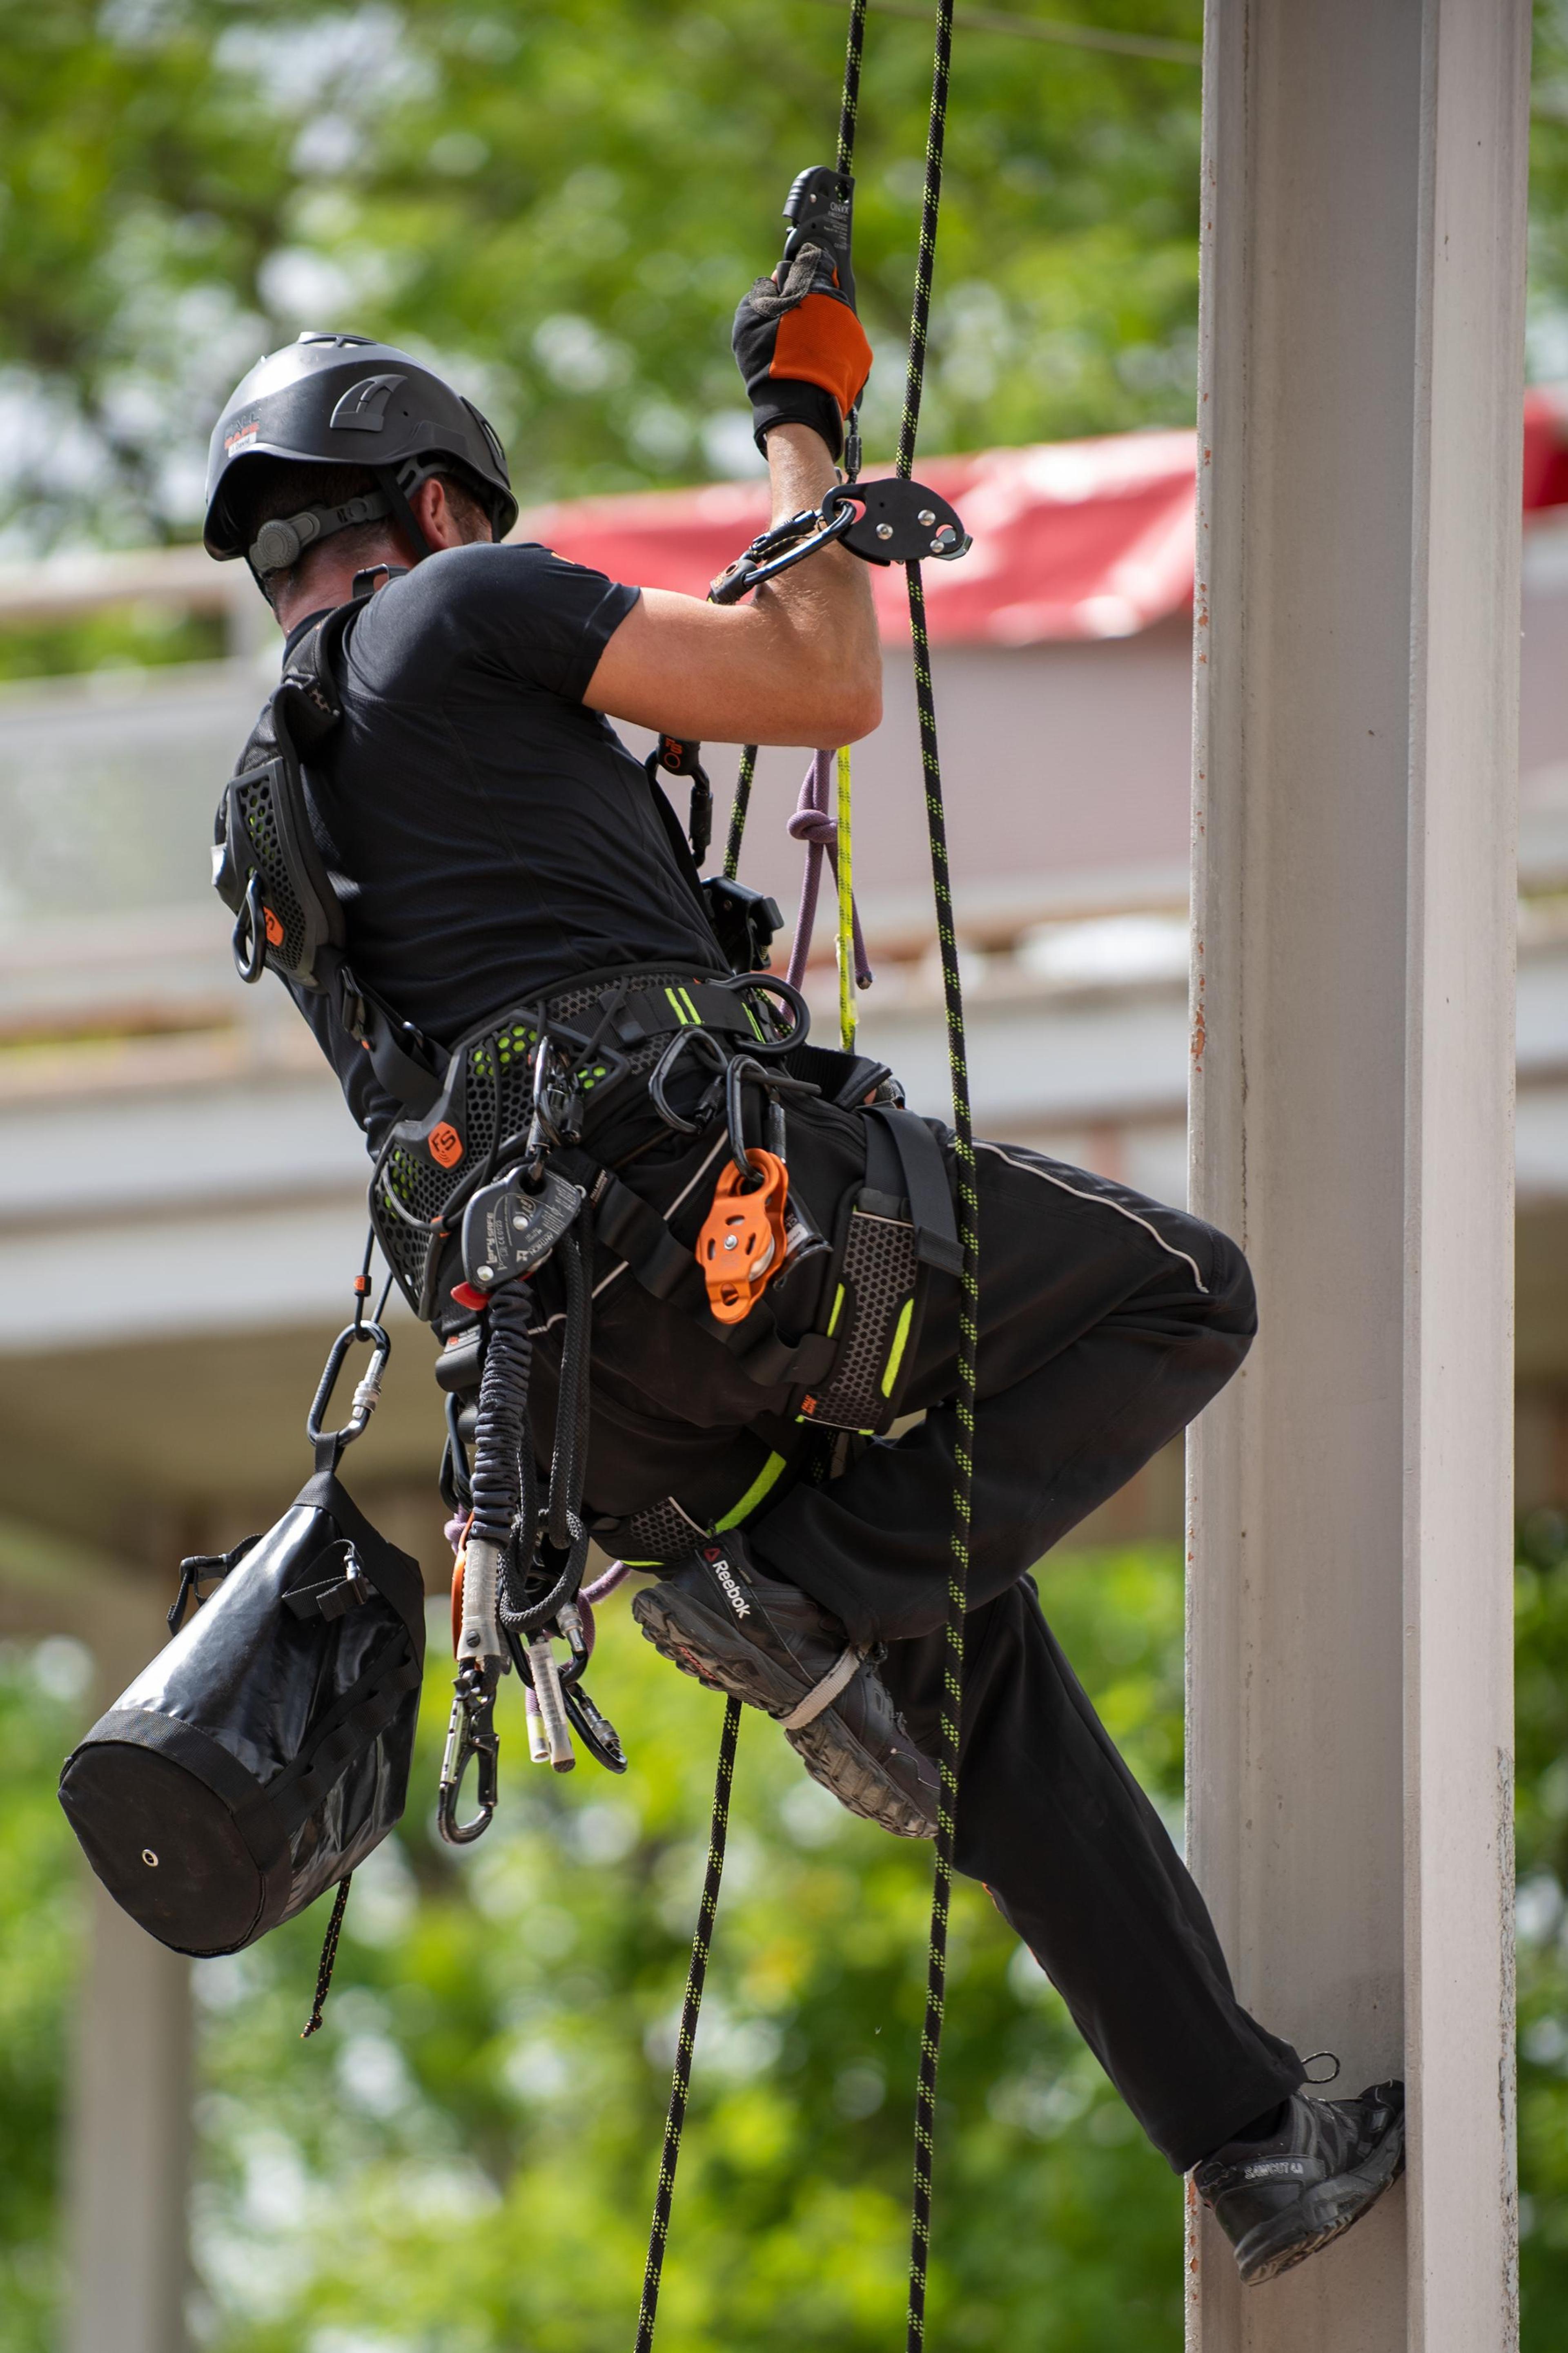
<point>915,1161</point>
<point>267,833</point>
<point>308,689</point>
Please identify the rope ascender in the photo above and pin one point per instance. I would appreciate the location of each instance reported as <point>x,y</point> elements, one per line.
<point>762,560</point>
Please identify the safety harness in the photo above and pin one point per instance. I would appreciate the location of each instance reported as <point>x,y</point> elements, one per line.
<point>501,1136</point>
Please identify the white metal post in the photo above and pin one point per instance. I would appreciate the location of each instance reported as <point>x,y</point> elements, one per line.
<point>1353,878</point>
<point>129,2145</point>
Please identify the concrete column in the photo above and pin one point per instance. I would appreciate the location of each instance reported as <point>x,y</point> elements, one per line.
<point>127,2161</point>
<point>1353,878</point>
<point>130,2142</point>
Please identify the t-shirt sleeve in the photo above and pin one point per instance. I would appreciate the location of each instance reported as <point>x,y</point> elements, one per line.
<point>529,614</point>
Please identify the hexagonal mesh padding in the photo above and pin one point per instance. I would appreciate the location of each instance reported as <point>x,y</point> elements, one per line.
<point>879,1277</point>
<point>661,1533</point>
<point>258,814</point>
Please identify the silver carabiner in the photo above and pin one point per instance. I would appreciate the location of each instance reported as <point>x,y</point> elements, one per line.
<point>366,1395</point>
<point>470,1733</point>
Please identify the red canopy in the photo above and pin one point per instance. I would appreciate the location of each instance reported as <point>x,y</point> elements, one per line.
<point>1072,539</point>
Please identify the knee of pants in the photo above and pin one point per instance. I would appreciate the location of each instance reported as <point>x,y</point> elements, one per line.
<point>1230,1305</point>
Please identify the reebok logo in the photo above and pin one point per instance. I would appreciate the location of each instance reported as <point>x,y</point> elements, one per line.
<point>731,1585</point>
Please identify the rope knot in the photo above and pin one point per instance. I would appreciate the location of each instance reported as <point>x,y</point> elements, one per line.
<point>814,825</point>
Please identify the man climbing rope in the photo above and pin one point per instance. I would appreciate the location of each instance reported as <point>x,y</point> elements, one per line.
<point>515,886</point>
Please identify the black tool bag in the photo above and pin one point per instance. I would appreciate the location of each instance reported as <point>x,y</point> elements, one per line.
<point>265,1751</point>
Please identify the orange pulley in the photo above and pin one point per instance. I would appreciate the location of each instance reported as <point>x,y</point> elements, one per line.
<point>741,1245</point>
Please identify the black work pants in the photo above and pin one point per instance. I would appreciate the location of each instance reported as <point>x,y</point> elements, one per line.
<point>1107,1322</point>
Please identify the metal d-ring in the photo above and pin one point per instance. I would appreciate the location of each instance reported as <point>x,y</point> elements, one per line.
<point>774,1085</point>
<point>249,938</point>
<point>772,984</point>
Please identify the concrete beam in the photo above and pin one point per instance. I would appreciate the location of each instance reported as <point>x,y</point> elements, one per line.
<point>1354,841</point>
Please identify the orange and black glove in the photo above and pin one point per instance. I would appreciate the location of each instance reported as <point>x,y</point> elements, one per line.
<point>800,348</point>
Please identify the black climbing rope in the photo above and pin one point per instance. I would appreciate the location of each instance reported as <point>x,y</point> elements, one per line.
<point>968,1229</point>
<point>966,1379</point>
<point>849,113</point>
<point>849,109</point>
<point>680,2082</point>
<point>738,808</point>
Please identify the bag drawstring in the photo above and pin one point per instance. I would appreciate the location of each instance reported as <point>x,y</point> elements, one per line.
<point>329,1957</point>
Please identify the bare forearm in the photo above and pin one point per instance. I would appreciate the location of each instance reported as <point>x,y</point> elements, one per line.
<point>800,663</point>
<point>822,610</point>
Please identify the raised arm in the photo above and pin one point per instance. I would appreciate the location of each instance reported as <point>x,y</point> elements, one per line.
<point>801,663</point>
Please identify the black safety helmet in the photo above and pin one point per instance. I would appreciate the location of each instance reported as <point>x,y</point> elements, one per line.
<point>343,400</point>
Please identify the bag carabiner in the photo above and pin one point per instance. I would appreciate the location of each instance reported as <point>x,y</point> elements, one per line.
<point>366,1396</point>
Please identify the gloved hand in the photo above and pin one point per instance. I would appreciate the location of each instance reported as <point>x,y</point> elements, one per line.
<point>801,350</point>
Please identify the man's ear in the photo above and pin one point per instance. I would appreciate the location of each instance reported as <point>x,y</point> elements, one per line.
<point>434,513</point>
<point>444,523</point>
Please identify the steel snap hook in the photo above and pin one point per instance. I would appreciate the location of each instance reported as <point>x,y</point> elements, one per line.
<point>470,1735</point>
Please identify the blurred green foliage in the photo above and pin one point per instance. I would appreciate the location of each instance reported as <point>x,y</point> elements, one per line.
<point>1541,1735</point>
<point>122,637</point>
<point>562,200</point>
<point>463,2161</point>
<point>41,1907</point>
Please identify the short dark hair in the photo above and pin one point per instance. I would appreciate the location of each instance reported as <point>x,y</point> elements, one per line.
<point>274,488</point>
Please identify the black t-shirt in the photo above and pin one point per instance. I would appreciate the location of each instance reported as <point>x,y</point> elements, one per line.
<point>491,836</point>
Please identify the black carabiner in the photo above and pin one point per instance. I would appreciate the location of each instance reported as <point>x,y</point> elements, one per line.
<point>744,1070</point>
<point>663,1070</point>
<point>249,942</point>
<point>557,1106</point>
<point>470,1733</point>
<point>366,1395</point>
<point>759,561</point>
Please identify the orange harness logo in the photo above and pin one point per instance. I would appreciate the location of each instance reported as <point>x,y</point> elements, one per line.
<point>446,1145</point>
<point>274,928</point>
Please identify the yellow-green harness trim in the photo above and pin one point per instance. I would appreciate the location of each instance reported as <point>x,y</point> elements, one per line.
<point>766,1479</point>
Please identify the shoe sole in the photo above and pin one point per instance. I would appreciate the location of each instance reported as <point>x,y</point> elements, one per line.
<point>1322,2215</point>
<point>702,1645</point>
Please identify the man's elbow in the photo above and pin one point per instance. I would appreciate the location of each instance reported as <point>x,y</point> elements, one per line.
<point>853,711</point>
